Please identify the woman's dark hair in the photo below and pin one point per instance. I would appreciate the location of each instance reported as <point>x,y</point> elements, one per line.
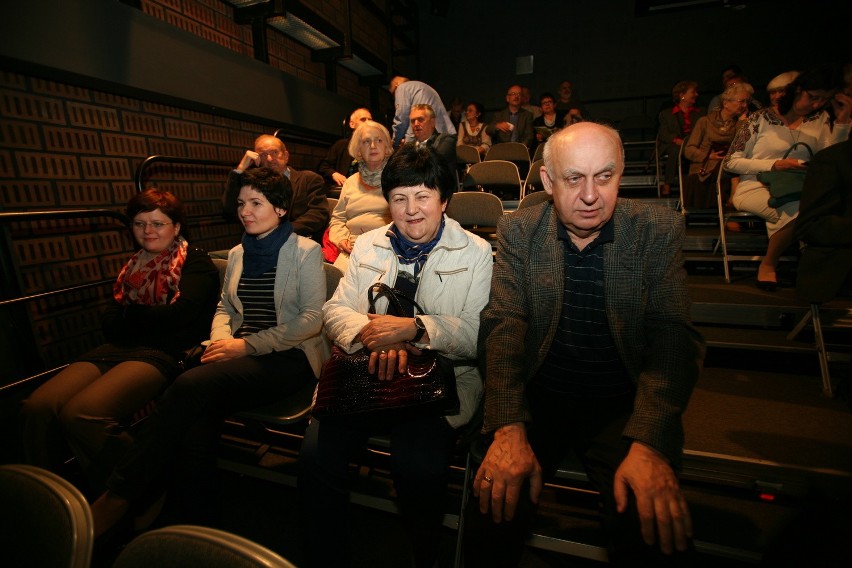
<point>411,166</point>
<point>275,187</point>
<point>478,106</point>
<point>546,95</point>
<point>822,78</point>
<point>152,199</point>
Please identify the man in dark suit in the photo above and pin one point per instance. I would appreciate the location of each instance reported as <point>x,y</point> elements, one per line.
<point>824,225</point>
<point>337,165</point>
<point>513,123</point>
<point>422,119</point>
<point>309,207</point>
<point>586,346</point>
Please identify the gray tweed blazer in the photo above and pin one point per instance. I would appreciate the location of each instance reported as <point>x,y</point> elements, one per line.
<point>647,305</point>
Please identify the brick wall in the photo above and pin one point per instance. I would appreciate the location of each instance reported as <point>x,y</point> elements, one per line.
<point>210,19</point>
<point>67,147</point>
<point>213,21</point>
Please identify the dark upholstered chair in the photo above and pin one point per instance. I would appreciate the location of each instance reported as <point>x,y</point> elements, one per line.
<point>534,198</point>
<point>476,211</point>
<point>500,177</point>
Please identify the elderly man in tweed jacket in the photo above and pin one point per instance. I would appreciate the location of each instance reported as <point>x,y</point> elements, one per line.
<point>587,346</point>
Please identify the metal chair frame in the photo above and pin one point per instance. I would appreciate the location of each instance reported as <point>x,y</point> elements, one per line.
<point>724,217</point>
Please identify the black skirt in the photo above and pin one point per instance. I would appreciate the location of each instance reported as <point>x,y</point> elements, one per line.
<point>109,355</point>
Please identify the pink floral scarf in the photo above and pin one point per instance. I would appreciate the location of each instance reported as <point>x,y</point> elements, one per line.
<point>151,284</point>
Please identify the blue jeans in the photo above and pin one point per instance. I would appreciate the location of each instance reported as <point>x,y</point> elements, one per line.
<point>420,459</point>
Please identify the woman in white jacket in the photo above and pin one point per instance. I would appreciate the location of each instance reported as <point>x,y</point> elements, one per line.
<point>446,270</point>
<point>761,144</point>
<point>264,344</point>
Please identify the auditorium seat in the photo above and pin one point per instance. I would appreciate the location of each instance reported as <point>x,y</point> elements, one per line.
<point>178,546</point>
<point>44,520</point>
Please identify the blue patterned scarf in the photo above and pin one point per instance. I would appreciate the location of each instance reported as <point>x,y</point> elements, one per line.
<point>412,253</point>
<point>261,255</point>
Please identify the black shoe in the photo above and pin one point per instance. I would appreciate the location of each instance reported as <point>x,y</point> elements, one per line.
<point>767,285</point>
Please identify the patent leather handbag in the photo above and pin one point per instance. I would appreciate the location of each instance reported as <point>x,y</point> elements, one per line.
<point>348,394</point>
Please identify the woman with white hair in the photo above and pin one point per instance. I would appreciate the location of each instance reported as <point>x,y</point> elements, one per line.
<point>708,144</point>
<point>361,206</point>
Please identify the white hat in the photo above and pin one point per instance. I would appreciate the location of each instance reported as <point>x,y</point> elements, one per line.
<point>782,80</point>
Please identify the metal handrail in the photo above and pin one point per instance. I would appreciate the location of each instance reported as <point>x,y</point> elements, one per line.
<point>27,380</point>
<point>60,213</point>
<point>12,216</point>
<point>57,292</point>
<point>143,166</point>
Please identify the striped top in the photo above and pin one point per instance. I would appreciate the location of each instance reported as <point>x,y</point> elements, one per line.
<point>583,360</point>
<point>257,296</point>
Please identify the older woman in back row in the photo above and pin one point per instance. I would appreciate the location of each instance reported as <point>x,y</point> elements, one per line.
<point>760,146</point>
<point>427,257</point>
<point>676,124</point>
<point>707,145</point>
<point>361,206</point>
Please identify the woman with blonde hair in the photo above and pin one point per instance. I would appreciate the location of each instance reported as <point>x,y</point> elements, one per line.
<point>361,206</point>
<point>708,144</point>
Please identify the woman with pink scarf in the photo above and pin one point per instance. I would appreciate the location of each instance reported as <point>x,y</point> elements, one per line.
<point>162,304</point>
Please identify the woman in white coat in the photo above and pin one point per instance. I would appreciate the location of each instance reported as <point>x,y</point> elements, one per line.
<point>760,146</point>
<point>446,270</point>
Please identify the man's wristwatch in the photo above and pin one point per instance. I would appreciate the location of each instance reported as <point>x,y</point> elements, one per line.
<point>421,329</point>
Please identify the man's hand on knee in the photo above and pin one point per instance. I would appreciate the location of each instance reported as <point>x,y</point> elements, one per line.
<point>660,503</point>
<point>508,462</point>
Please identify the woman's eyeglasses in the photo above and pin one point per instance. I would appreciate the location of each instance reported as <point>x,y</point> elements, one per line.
<point>156,225</point>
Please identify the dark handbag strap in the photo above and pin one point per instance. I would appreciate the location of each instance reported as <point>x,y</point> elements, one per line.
<point>703,171</point>
<point>793,147</point>
<point>394,297</point>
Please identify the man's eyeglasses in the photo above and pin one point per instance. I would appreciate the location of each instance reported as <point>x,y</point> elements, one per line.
<point>271,154</point>
<point>156,225</point>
